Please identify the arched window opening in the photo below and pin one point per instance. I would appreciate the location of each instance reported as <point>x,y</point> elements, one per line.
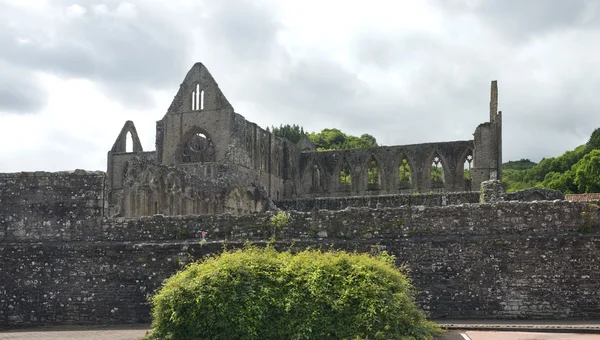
<point>263,157</point>
<point>128,142</point>
<point>316,177</point>
<point>404,174</point>
<point>468,178</point>
<point>373,175</point>
<point>276,163</point>
<point>193,100</point>
<point>198,148</point>
<point>437,175</point>
<point>197,99</point>
<point>345,176</point>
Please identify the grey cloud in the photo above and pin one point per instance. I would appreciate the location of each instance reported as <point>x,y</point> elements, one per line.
<point>248,29</point>
<point>127,55</point>
<point>520,20</point>
<point>19,94</point>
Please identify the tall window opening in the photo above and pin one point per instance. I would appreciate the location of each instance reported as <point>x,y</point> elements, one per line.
<point>373,174</point>
<point>437,174</point>
<point>276,162</point>
<point>198,148</point>
<point>316,176</point>
<point>345,176</point>
<point>193,100</point>
<point>467,170</point>
<point>128,142</point>
<point>197,99</point>
<point>263,156</point>
<point>404,174</point>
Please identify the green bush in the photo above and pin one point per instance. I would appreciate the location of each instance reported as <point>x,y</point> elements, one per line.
<point>260,293</point>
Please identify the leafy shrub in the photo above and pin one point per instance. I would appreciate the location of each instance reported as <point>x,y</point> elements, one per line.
<point>280,219</point>
<point>260,293</point>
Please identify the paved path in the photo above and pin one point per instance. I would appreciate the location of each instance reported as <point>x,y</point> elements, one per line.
<point>78,333</point>
<point>137,332</point>
<point>483,335</point>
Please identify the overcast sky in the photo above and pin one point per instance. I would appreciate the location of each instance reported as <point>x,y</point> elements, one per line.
<point>404,71</point>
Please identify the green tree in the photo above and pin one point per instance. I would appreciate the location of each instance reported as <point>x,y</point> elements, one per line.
<point>334,139</point>
<point>290,132</point>
<point>594,142</point>
<point>587,173</point>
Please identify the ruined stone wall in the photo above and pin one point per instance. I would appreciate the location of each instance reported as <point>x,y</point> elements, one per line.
<point>502,260</point>
<point>258,149</point>
<point>320,171</point>
<point>37,205</point>
<point>379,201</point>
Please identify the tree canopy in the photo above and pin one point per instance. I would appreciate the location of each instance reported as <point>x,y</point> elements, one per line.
<point>327,139</point>
<point>576,171</point>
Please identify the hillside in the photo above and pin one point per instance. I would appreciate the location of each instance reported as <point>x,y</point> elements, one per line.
<point>576,171</point>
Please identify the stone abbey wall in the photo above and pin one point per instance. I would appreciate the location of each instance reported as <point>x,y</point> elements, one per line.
<point>501,260</point>
<point>210,159</point>
<point>379,201</point>
<point>321,170</point>
<point>31,203</point>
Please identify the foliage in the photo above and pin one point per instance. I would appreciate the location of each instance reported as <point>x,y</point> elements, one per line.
<point>467,174</point>
<point>259,293</point>
<point>437,174</point>
<point>522,164</point>
<point>334,139</point>
<point>345,176</point>
<point>280,219</point>
<point>587,173</point>
<point>404,171</point>
<point>575,171</point>
<point>291,132</point>
<point>373,173</point>
<point>594,141</point>
<point>327,139</point>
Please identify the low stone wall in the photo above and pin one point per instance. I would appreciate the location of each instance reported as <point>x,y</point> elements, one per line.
<point>378,201</point>
<point>37,205</point>
<point>495,261</point>
<point>534,194</point>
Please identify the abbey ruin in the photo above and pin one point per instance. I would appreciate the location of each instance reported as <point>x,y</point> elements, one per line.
<point>91,247</point>
<point>210,160</point>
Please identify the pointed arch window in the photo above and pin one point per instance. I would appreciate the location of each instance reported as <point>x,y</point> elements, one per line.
<point>437,174</point>
<point>197,98</point>
<point>373,178</point>
<point>263,156</point>
<point>276,163</point>
<point>198,148</point>
<point>128,142</point>
<point>345,175</point>
<point>316,176</point>
<point>468,178</point>
<point>404,174</point>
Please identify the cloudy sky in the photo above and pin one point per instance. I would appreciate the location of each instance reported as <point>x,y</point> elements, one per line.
<point>72,72</point>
